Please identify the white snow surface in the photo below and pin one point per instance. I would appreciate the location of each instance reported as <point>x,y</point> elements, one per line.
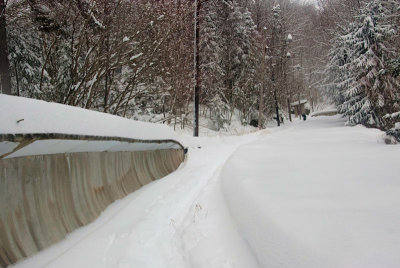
<point>308,194</point>
<point>317,195</point>
<point>44,117</point>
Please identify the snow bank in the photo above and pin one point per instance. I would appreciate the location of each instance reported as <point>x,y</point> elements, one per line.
<point>23,115</point>
<point>328,112</point>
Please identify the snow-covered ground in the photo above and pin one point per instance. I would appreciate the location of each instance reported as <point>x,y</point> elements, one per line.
<point>317,195</point>
<point>309,194</point>
<point>28,116</point>
<point>23,115</point>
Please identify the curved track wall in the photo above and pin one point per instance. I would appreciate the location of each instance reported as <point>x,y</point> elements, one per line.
<point>45,197</point>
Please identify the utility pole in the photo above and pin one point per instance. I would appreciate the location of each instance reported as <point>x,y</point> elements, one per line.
<point>5,78</point>
<point>196,66</point>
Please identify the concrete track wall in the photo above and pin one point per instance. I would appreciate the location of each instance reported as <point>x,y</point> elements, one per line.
<point>45,197</point>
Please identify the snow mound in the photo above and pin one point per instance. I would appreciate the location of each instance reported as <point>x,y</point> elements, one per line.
<point>23,115</point>
<point>328,112</point>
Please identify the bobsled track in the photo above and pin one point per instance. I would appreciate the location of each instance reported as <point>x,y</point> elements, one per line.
<point>51,184</point>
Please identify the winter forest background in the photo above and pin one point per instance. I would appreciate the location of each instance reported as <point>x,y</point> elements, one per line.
<point>134,58</point>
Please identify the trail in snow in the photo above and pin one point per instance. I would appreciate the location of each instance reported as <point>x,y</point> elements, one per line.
<point>317,195</point>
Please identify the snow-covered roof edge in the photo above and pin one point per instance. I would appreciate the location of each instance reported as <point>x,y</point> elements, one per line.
<point>297,102</point>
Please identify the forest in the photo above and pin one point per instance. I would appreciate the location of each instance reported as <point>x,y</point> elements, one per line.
<point>137,58</point>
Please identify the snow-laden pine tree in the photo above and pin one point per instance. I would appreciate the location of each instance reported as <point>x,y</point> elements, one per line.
<point>26,61</point>
<point>211,46</point>
<point>218,112</point>
<point>211,71</point>
<point>369,90</point>
<point>227,59</point>
<point>248,85</point>
<point>238,61</point>
<point>5,77</point>
<point>337,78</point>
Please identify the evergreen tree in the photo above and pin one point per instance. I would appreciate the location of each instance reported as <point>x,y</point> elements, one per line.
<point>5,78</point>
<point>25,60</point>
<point>337,78</point>
<point>238,59</point>
<point>211,47</point>
<point>227,58</point>
<point>368,91</point>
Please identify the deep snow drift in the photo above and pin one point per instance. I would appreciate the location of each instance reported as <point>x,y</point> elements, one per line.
<point>309,194</point>
<point>23,115</point>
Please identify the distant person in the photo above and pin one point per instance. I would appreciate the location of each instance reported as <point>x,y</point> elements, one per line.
<point>304,117</point>
<point>254,123</point>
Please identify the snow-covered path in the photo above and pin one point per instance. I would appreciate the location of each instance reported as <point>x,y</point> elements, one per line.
<point>313,194</point>
<point>317,195</point>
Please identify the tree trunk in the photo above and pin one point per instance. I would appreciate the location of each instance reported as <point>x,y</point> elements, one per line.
<point>289,109</point>
<point>299,107</point>
<point>106,48</point>
<point>278,120</point>
<point>5,77</point>
<point>197,68</point>
<point>16,77</point>
<point>261,104</point>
